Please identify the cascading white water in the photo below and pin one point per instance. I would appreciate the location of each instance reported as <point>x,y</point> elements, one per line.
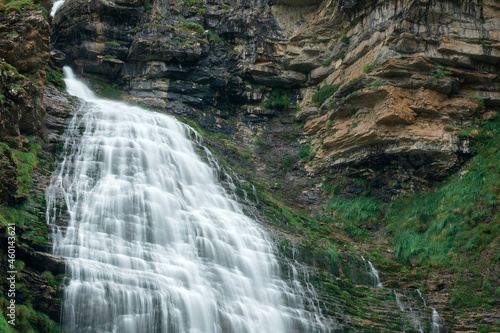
<point>437,322</point>
<point>55,6</point>
<point>373,274</point>
<point>153,243</point>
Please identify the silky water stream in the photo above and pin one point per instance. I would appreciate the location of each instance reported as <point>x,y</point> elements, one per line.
<point>153,243</point>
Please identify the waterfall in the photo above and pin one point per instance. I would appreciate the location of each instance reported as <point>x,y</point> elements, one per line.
<point>373,274</point>
<point>153,243</point>
<point>437,321</point>
<point>55,6</point>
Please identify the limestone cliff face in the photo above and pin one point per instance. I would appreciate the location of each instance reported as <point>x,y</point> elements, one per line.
<point>408,72</point>
<point>24,53</point>
<point>411,73</point>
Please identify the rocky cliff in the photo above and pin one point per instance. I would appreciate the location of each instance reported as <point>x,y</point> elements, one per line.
<point>342,116</point>
<point>32,117</point>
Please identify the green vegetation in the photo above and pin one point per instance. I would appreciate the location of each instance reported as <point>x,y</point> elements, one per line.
<point>458,217</point>
<point>288,162</point>
<point>197,3</point>
<point>455,225</point>
<point>112,43</point>
<point>27,320</point>
<point>104,88</point>
<point>148,6</point>
<point>55,77</point>
<point>325,92</point>
<point>485,43</point>
<point>193,26</point>
<point>108,56</point>
<point>356,215</point>
<point>442,73</point>
<point>342,56</point>
<point>7,6</point>
<point>371,66</point>
<point>344,39</point>
<point>279,99</point>
<point>449,128</point>
<point>306,154</point>
<point>326,62</point>
<point>213,37</point>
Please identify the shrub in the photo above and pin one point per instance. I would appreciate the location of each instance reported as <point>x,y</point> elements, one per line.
<point>326,62</point>
<point>194,27</point>
<point>148,6</point>
<point>370,66</point>
<point>115,44</point>
<point>442,73</point>
<point>279,99</point>
<point>288,162</point>
<point>449,128</point>
<point>325,92</point>
<point>306,154</point>
<point>344,39</point>
<point>213,37</point>
<point>485,44</point>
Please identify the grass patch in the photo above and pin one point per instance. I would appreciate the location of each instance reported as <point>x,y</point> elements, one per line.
<point>193,26</point>
<point>371,66</point>
<point>306,153</point>
<point>326,62</point>
<point>325,92</point>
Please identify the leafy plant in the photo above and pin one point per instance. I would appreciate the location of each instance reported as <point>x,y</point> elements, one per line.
<point>442,73</point>
<point>485,44</point>
<point>213,37</point>
<point>326,62</point>
<point>148,6</point>
<point>279,99</point>
<point>371,66</point>
<point>344,39</point>
<point>194,27</point>
<point>115,44</point>
<point>325,92</point>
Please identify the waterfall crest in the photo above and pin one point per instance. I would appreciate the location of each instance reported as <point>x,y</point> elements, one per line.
<point>153,243</point>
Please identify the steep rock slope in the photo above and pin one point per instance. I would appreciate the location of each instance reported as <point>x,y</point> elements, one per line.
<point>314,100</point>
<point>32,118</point>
